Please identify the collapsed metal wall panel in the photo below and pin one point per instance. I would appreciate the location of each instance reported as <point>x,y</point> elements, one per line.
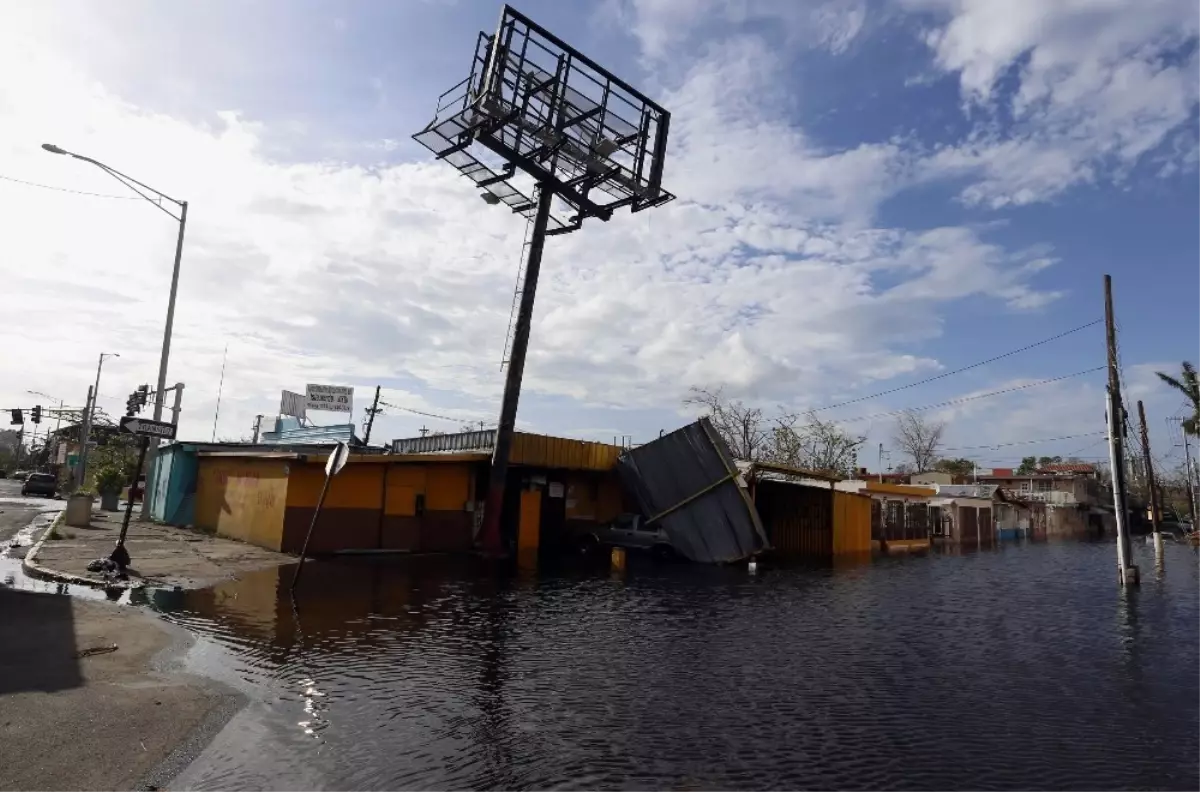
<point>687,481</point>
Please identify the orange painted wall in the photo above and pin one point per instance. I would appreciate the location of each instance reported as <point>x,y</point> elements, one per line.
<point>243,498</point>
<point>446,487</point>
<point>356,487</point>
<point>851,524</point>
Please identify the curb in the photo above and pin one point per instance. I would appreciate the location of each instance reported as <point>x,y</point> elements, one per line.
<point>32,568</point>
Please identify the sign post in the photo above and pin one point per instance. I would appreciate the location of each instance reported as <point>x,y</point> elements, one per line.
<point>120,556</point>
<point>333,466</point>
<point>145,429</point>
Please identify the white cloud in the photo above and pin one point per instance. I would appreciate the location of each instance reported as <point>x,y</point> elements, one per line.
<point>1099,84</point>
<point>767,275</point>
<point>664,26</point>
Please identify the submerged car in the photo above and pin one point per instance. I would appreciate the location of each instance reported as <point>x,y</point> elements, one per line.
<point>631,532</point>
<point>40,484</point>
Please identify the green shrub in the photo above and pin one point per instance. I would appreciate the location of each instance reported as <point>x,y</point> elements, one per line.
<point>109,480</point>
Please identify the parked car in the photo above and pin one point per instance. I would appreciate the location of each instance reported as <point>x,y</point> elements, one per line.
<point>40,484</point>
<point>20,475</point>
<point>631,532</point>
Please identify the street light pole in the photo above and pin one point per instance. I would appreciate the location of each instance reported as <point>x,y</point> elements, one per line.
<point>142,190</point>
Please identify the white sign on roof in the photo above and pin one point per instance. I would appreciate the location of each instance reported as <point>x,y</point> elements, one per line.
<point>331,398</point>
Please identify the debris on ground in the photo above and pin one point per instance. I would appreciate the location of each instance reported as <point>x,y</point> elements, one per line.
<point>108,568</point>
<point>96,650</point>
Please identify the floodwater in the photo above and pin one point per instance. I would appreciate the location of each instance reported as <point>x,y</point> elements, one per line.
<point>1024,667</point>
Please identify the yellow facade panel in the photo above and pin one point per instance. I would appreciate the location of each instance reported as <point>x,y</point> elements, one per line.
<point>447,487</point>
<point>558,452</point>
<point>243,499</point>
<point>851,524</point>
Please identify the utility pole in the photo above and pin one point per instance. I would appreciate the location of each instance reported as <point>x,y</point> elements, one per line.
<point>371,411</point>
<point>178,407</point>
<point>1127,572</point>
<point>85,431</point>
<point>881,463</point>
<point>1154,505</point>
<point>1191,487</point>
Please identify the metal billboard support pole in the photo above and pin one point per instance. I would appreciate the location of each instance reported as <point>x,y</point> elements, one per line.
<point>498,476</point>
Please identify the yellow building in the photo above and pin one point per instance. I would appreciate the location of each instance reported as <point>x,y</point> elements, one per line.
<point>415,502</point>
<point>805,516</point>
<point>902,518</point>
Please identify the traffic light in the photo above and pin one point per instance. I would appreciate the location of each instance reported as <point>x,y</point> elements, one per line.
<point>143,392</point>
<point>37,414</point>
<point>17,418</point>
<point>131,404</point>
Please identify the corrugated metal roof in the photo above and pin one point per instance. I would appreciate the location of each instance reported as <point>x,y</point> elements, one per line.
<point>312,435</point>
<point>529,449</point>
<point>687,480</point>
<point>443,443</point>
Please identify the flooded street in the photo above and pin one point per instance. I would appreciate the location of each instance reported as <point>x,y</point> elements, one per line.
<point>1020,668</point>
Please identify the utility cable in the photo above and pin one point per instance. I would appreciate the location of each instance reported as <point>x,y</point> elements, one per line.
<point>963,399</point>
<point>460,420</point>
<point>960,370</point>
<point>1029,442</point>
<point>68,190</point>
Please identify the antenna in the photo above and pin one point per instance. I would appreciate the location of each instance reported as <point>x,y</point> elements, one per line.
<point>220,388</point>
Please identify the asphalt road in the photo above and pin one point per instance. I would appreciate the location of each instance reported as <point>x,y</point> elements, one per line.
<point>17,512</point>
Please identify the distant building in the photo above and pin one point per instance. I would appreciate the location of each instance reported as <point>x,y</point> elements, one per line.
<point>1060,485</point>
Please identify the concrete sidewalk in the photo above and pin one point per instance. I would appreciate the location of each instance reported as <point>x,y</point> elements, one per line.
<point>95,698</point>
<point>161,554</point>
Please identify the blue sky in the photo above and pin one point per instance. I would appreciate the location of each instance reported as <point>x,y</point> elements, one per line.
<point>870,193</point>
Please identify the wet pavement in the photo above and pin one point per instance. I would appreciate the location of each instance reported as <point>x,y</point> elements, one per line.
<point>1023,667</point>
<point>22,520</point>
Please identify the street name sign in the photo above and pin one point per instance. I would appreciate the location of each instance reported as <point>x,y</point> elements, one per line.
<point>147,428</point>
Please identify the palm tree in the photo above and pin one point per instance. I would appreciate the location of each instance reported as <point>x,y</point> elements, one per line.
<point>1189,386</point>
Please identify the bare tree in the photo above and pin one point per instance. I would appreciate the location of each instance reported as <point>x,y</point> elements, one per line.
<point>744,429</point>
<point>918,438</point>
<point>786,439</point>
<point>816,444</point>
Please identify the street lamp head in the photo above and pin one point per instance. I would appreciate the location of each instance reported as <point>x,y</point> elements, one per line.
<point>53,149</point>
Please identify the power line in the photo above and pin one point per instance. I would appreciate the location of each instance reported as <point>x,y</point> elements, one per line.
<point>1030,442</point>
<point>459,420</point>
<point>959,370</point>
<point>963,399</point>
<point>67,190</point>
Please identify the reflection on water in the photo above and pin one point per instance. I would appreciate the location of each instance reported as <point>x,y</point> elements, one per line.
<point>1019,668</point>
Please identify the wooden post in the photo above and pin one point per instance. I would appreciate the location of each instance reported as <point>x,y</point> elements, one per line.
<point>1154,504</point>
<point>1127,572</point>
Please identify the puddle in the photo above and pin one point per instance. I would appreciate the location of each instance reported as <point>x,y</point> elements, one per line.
<point>12,555</point>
